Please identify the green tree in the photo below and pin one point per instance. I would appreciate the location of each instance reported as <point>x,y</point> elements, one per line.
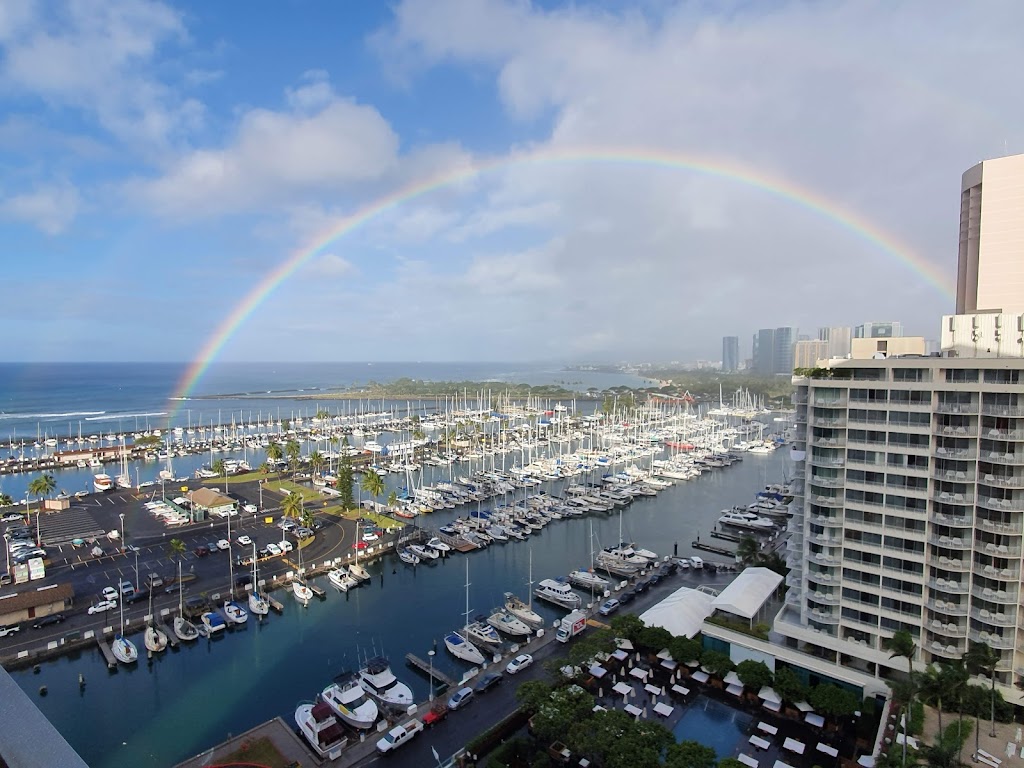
<point>902,644</point>
<point>564,707</point>
<point>293,450</point>
<point>5,500</point>
<point>729,762</point>
<point>316,462</point>
<point>748,550</point>
<point>393,499</point>
<point>627,626</point>
<point>274,452</point>
<point>345,476</point>
<point>372,483</point>
<point>41,487</point>
<point>613,739</point>
<point>654,638</point>
<point>754,674</point>
<point>293,506</point>
<point>532,694</point>
<point>221,469</point>
<point>717,663</point>
<point>982,658</point>
<point>833,700</point>
<point>286,424</point>
<point>789,686</point>
<point>690,754</point>
<point>942,682</point>
<point>176,549</point>
<point>148,441</point>
<point>684,650</point>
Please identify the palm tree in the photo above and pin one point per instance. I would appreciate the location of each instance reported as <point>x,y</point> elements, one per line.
<point>293,449</point>
<point>942,682</point>
<point>748,550</point>
<point>176,548</point>
<point>981,658</point>
<point>316,462</point>
<point>902,644</point>
<point>372,482</point>
<point>292,505</point>
<point>40,487</point>
<point>221,468</point>
<point>5,500</point>
<point>274,452</point>
<point>393,499</point>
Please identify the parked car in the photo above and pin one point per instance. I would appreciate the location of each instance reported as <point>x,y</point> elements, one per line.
<point>609,607</point>
<point>285,546</point>
<point>460,698</point>
<point>5,631</point>
<point>273,549</point>
<point>487,682</point>
<point>359,545</point>
<point>627,597</point>
<point>154,580</point>
<point>102,606</point>
<point>244,540</point>
<point>287,524</point>
<point>303,533</point>
<point>10,517</point>
<point>252,509</point>
<point>223,544</point>
<point>127,589</point>
<point>370,535</point>
<point>46,621</point>
<point>109,593</point>
<point>519,663</point>
<point>201,550</point>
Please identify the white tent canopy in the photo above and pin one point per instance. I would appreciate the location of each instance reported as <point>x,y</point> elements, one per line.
<point>748,592</point>
<point>682,613</point>
<point>769,694</point>
<point>733,679</point>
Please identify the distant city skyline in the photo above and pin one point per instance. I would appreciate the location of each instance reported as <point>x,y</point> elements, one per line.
<point>526,181</point>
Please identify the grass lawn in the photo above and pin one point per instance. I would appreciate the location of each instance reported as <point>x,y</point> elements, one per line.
<point>259,751</point>
<point>284,487</point>
<point>352,514</point>
<point>248,477</point>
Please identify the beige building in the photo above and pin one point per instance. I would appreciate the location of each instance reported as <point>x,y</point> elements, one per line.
<point>806,354</point>
<point>991,334</point>
<point>908,513</point>
<point>865,349</point>
<point>990,264</point>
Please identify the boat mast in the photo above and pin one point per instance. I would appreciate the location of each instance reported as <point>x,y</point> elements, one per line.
<point>529,593</point>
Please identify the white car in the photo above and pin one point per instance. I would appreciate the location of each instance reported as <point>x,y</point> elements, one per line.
<point>252,509</point>
<point>370,536</point>
<point>285,546</point>
<point>102,606</point>
<point>244,540</point>
<point>109,593</point>
<point>273,549</point>
<point>5,631</point>
<point>223,544</point>
<point>519,663</point>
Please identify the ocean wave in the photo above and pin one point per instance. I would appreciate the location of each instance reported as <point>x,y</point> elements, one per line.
<point>112,416</point>
<point>68,415</point>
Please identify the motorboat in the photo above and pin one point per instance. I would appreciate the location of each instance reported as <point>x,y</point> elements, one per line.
<point>213,622</point>
<point>155,639</point>
<point>505,621</point>
<point>479,631</point>
<point>377,679</point>
<point>638,551</point>
<point>408,557</point>
<point>321,728</point>
<point>587,579</point>
<point>522,611</point>
<point>235,613</point>
<point>124,650</point>
<point>102,482</point>
<point>301,591</point>
<point>746,520</point>
<point>438,545</point>
<point>558,592</point>
<point>625,555</point>
<point>423,553</point>
<point>340,578</point>
<point>349,701</point>
<point>460,647</point>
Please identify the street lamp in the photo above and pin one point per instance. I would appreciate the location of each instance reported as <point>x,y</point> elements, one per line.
<point>7,547</point>
<point>430,654</point>
<point>122,531</point>
<point>136,570</point>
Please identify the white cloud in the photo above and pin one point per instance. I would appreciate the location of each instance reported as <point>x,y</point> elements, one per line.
<point>50,208</point>
<point>330,265</point>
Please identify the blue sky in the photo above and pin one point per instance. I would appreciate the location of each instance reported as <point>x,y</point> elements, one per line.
<point>158,160</point>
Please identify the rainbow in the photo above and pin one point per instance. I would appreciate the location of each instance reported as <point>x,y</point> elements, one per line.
<point>782,188</point>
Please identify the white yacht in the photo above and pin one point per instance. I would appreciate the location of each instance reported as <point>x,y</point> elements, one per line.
<point>340,578</point>
<point>302,592</point>
<point>321,728</point>
<point>505,621</point>
<point>479,631</point>
<point>436,544</point>
<point>155,639</point>
<point>213,622</point>
<point>587,579</point>
<point>459,646</point>
<point>357,572</point>
<point>558,592</point>
<point>350,702</point>
<point>423,553</point>
<point>377,679</point>
<point>522,611</point>
<point>102,482</point>
<point>746,520</point>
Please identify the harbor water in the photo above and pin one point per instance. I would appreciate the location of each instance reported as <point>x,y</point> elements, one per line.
<point>157,713</point>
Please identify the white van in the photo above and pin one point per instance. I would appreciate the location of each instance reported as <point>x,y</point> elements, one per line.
<point>697,563</point>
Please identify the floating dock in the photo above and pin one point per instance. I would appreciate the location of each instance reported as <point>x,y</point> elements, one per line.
<point>318,591</point>
<point>456,542</point>
<point>274,603</point>
<point>726,536</point>
<point>107,653</point>
<point>423,666</point>
<point>712,548</point>
<point>172,639</point>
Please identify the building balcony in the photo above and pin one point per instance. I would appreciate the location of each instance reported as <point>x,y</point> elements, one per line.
<point>825,482</point>
<point>965,408</point>
<point>998,550</point>
<point>826,561</point>
<point>960,565</point>
<point>948,629</point>
<point>958,543</point>
<point>823,598</point>
<point>828,421</point>
<point>992,639</point>
<point>853,522</point>
<point>824,540</point>
<point>944,429</point>
<point>821,461</point>
<point>948,585</point>
<point>998,619</point>
<point>1003,434</point>
<point>953,521</point>
<point>1002,481</point>
<point>953,476</point>
<point>946,651</point>
<point>830,522</point>
<point>829,402</point>
<point>947,608</point>
<point>966,499</point>
<point>960,454</point>
<point>1007,411</point>
<point>833,502</point>
<point>1001,504</point>
<point>827,442</point>
<point>820,577</point>
<point>1002,596</point>
<point>1008,459</point>
<point>823,616</point>
<point>1009,575</point>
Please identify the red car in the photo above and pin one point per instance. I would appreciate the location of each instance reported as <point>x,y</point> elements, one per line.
<point>360,545</point>
<point>201,551</point>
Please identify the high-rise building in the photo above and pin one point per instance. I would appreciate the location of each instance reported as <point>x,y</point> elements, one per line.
<point>909,513</point>
<point>806,354</point>
<point>838,340</point>
<point>886,330</point>
<point>730,354</point>
<point>782,356</point>
<point>764,352</point>
<point>990,262</point>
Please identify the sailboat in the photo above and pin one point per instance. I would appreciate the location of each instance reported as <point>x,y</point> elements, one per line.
<point>258,604</point>
<point>355,570</point>
<point>300,589</point>
<point>154,638</point>
<point>184,629</point>
<point>524,611</point>
<point>457,643</point>
<point>124,650</point>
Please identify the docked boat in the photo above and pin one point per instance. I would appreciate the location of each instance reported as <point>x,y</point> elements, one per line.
<point>505,621</point>
<point>558,592</point>
<point>423,553</point>
<point>746,520</point>
<point>587,579</point>
<point>408,557</point>
<point>259,605</point>
<point>155,639</point>
<point>102,482</point>
<point>235,613</point>
<point>479,631</point>
<point>302,592</point>
<point>349,701</point>
<point>213,622</point>
<point>522,611</point>
<point>438,545</point>
<point>184,629</point>
<point>377,679</point>
<point>357,572</point>
<point>461,648</point>
<point>321,728</point>
<point>340,578</point>
<point>646,554</point>
<point>124,650</point>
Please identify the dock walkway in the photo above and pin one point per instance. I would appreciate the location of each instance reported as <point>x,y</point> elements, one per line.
<point>416,662</point>
<point>108,654</point>
<point>712,548</point>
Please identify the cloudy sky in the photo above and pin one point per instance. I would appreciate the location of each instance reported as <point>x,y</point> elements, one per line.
<point>508,180</point>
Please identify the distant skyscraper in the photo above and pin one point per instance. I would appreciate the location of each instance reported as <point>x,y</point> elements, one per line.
<point>764,352</point>
<point>990,263</point>
<point>838,340</point>
<point>886,330</point>
<point>782,355</point>
<point>807,353</point>
<point>730,354</point>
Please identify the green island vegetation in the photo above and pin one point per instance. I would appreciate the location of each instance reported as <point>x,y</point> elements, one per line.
<point>419,388</point>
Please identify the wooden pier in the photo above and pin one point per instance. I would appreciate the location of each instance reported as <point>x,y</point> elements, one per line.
<point>457,543</point>
<point>726,536</point>
<point>107,653</point>
<point>318,591</point>
<point>416,662</point>
<point>712,548</point>
<point>274,603</point>
<point>172,639</point>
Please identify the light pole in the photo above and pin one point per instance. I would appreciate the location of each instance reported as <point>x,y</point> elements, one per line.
<point>122,531</point>
<point>136,571</point>
<point>261,496</point>
<point>7,547</point>
<point>430,655</point>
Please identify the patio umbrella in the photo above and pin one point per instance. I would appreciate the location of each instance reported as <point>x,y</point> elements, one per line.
<point>733,679</point>
<point>803,706</point>
<point>768,694</point>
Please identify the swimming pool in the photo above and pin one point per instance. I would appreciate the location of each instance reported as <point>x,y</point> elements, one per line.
<point>715,725</point>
